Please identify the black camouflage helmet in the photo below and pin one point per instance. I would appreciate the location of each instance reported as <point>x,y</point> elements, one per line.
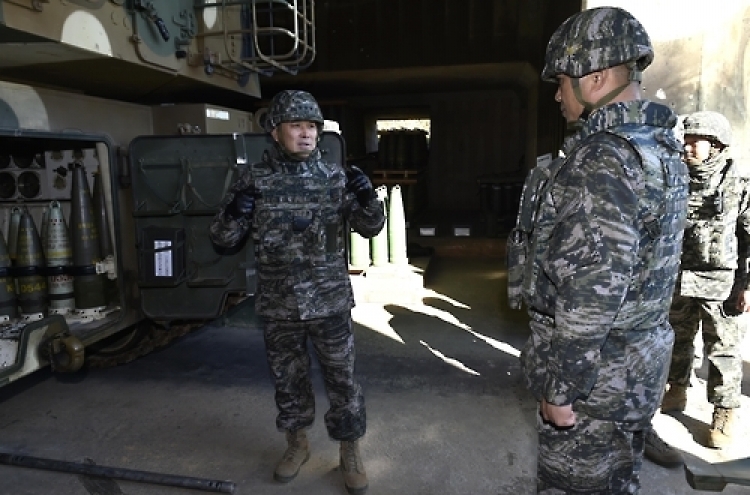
<point>292,105</point>
<point>597,39</point>
<point>708,124</point>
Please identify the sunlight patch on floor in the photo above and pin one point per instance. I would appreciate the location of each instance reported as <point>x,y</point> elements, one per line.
<point>502,346</point>
<point>375,317</point>
<point>453,362</point>
<point>431,294</point>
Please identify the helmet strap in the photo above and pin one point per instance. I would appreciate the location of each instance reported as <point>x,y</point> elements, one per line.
<point>589,107</point>
<point>611,95</point>
<point>633,75</point>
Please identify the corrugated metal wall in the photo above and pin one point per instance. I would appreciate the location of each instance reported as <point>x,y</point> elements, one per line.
<point>473,135</point>
<point>408,33</point>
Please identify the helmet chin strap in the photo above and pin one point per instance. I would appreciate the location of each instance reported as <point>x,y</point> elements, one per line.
<point>588,107</point>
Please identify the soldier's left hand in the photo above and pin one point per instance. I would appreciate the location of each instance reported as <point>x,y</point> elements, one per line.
<point>358,183</point>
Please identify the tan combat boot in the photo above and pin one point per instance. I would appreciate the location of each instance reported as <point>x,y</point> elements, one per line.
<point>352,468</point>
<point>675,399</point>
<point>297,453</point>
<point>722,427</point>
<point>660,452</point>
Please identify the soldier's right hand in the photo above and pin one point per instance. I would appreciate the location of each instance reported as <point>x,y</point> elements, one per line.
<point>242,206</point>
<point>560,416</point>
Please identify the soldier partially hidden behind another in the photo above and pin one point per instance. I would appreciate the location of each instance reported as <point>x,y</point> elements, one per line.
<point>712,290</point>
<point>602,258</point>
<point>296,203</point>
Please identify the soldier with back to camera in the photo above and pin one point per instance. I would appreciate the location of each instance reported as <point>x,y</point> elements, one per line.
<point>712,290</point>
<point>295,203</point>
<point>599,259</point>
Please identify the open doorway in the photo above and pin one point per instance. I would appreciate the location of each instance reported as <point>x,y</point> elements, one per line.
<point>403,144</point>
<point>384,125</point>
<point>399,145</point>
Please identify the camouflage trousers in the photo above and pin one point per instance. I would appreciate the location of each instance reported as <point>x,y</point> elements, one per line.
<point>594,457</point>
<point>290,364</point>
<point>722,331</point>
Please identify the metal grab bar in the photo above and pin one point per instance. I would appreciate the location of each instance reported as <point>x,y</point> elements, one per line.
<point>284,42</point>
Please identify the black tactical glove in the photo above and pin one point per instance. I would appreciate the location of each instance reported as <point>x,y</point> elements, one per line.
<point>360,185</point>
<point>242,206</point>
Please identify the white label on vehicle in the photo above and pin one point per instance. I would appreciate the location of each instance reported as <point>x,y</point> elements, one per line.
<point>163,259</point>
<point>215,113</point>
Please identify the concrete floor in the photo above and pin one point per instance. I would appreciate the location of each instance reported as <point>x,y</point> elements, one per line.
<point>447,413</point>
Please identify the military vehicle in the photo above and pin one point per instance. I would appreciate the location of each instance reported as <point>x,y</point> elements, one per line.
<point>106,192</point>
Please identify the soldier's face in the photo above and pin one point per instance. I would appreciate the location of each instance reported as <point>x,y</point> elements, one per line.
<point>697,149</point>
<point>297,138</point>
<point>570,107</point>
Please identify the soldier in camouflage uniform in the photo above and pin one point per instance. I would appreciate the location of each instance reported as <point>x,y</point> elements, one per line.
<point>712,290</point>
<point>296,203</point>
<point>599,259</point>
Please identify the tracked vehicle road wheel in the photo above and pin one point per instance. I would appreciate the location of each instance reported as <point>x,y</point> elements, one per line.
<point>136,341</point>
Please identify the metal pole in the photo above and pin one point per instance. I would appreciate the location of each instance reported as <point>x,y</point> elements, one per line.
<point>117,473</point>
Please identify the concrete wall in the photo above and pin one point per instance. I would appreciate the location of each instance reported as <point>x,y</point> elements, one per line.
<point>702,58</point>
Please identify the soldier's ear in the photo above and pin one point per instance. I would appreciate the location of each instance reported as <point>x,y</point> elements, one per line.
<point>275,134</point>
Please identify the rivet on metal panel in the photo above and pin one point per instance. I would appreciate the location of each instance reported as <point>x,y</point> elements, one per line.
<point>37,4</point>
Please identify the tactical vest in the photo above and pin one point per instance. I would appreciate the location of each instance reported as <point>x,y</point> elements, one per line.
<point>710,236</point>
<point>297,217</point>
<point>298,234</point>
<point>661,185</point>
<point>521,269</point>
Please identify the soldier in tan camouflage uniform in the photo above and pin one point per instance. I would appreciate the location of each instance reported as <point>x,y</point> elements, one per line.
<point>296,204</point>
<point>712,290</point>
<point>597,262</point>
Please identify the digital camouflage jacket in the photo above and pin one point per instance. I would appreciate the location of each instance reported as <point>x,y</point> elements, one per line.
<point>298,229</point>
<point>717,237</point>
<point>602,262</point>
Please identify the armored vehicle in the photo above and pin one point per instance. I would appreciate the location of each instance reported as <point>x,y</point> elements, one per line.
<point>115,153</point>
